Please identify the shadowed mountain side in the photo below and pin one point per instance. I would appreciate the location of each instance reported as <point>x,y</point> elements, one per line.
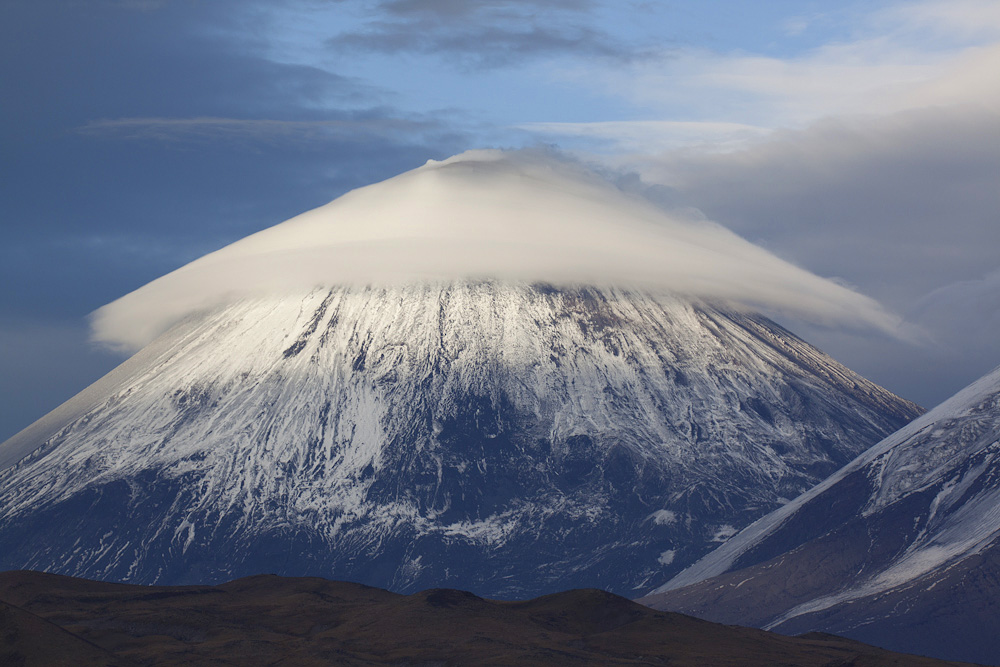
<point>304,621</point>
<point>950,612</point>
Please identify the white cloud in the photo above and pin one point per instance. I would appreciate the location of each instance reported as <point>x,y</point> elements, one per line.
<point>489,214</point>
<point>652,135</point>
<point>909,56</point>
<point>868,77</point>
<point>951,19</point>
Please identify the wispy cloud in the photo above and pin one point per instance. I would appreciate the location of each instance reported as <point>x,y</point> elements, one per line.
<point>450,10</point>
<point>858,78</point>
<point>265,130</point>
<point>951,20</point>
<point>650,136</point>
<point>892,63</point>
<point>484,34</point>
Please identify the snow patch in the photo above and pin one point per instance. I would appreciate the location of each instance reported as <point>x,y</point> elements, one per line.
<point>723,533</point>
<point>663,517</point>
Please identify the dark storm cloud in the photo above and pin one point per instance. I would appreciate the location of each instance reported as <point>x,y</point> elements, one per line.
<point>484,34</point>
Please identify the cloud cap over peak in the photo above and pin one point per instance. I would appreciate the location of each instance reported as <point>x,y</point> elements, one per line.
<point>491,214</point>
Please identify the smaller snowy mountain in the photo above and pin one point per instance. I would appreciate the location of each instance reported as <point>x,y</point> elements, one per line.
<point>899,548</point>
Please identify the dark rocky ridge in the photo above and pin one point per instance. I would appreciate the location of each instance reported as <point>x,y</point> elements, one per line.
<point>268,620</point>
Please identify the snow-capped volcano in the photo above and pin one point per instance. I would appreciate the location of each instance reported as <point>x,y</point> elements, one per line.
<point>502,435</point>
<point>900,547</point>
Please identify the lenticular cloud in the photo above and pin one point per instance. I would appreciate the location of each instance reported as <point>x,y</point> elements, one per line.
<point>488,215</point>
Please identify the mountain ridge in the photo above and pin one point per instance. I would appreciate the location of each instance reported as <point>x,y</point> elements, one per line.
<point>263,619</point>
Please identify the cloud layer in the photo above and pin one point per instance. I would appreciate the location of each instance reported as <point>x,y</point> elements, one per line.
<point>485,33</point>
<point>488,214</point>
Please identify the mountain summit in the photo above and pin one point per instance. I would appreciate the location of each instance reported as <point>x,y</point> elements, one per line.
<point>506,436</point>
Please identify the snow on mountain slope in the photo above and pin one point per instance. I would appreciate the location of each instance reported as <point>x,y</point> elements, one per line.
<point>504,437</point>
<point>885,549</point>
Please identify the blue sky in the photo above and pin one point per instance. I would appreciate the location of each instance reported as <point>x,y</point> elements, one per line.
<point>860,141</point>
